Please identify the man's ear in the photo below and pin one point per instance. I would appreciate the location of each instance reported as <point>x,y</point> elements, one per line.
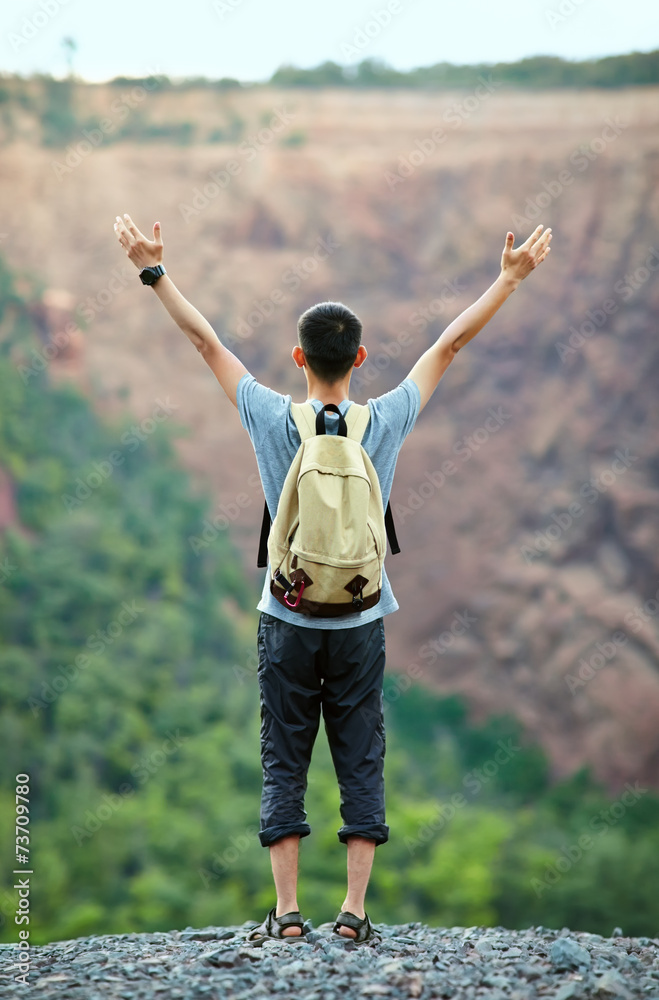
<point>362,354</point>
<point>298,356</point>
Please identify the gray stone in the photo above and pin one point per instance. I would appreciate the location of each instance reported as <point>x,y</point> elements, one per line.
<point>569,991</point>
<point>335,952</point>
<point>391,966</point>
<point>500,982</point>
<point>529,971</point>
<point>565,953</point>
<point>408,962</point>
<point>484,947</point>
<point>612,984</point>
<point>221,959</point>
<point>90,957</point>
<point>207,934</point>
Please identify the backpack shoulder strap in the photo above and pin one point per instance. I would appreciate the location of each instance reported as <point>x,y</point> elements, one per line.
<point>357,419</point>
<point>262,557</point>
<point>304,416</point>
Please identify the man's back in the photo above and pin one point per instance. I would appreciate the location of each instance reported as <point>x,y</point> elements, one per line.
<point>266,416</point>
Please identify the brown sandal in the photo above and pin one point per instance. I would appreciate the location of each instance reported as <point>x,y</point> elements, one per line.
<point>364,929</point>
<point>273,926</point>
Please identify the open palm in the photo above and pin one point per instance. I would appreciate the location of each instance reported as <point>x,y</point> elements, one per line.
<point>520,262</point>
<point>142,251</point>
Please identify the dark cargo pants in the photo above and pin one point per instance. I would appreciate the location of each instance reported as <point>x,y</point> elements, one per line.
<point>302,670</point>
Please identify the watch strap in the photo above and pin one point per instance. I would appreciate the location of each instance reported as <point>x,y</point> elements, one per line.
<point>149,275</point>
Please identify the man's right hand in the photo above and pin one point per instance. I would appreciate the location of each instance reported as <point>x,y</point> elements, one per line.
<point>142,252</point>
<point>226,367</point>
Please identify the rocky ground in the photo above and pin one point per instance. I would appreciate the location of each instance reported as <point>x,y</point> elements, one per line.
<point>409,960</point>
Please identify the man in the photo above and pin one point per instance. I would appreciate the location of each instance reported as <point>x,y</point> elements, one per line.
<point>307,664</point>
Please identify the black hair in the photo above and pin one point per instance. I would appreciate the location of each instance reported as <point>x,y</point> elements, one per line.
<point>329,334</point>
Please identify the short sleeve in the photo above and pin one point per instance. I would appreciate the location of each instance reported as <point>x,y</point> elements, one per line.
<point>259,406</point>
<point>398,409</point>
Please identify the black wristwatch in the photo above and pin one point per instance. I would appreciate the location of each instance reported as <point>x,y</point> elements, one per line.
<point>149,275</point>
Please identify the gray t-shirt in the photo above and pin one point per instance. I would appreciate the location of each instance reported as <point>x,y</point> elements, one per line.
<point>266,416</point>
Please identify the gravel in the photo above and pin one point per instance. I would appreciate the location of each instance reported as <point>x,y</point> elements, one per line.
<point>406,961</point>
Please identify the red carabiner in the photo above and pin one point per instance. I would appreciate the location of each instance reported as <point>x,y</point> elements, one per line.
<point>298,597</point>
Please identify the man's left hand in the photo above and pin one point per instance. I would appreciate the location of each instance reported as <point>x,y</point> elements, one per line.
<point>142,251</point>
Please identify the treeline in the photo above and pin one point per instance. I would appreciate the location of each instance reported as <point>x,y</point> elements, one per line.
<point>538,73</point>
<point>129,697</point>
<point>61,109</point>
<point>59,112</point>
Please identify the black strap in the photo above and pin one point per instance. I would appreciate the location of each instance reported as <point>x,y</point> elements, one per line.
<point>391,530</point>
<point>320,420</point>
<point>262,559</point>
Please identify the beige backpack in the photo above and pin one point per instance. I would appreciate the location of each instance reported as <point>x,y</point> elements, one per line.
<point>328,540</point>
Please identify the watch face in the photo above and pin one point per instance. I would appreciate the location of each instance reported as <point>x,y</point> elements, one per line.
<point>148,277</point>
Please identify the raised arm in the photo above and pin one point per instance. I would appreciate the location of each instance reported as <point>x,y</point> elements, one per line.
<point>226,367</point>
<point>515,265</point>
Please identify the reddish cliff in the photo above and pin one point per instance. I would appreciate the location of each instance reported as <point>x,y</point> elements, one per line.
<point>528,494</point>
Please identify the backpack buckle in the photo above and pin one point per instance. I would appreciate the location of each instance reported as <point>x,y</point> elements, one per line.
<point>356,588</point>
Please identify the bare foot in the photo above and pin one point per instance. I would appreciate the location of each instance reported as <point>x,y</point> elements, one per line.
<point>289,931</point>
<point>348,932</point>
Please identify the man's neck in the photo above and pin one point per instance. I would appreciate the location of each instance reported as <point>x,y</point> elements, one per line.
<point>336,394</point>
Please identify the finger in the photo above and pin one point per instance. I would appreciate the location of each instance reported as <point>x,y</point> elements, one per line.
<point>510,239</point>
<point>546,236</point>
<point>157,235</point>
<point>543,242</point>
<point>539,260</point>
<point>128,240</point>
<point>532,238</point>
<point>119,234</point>
<point>132,228</point>
<point>121,228</point>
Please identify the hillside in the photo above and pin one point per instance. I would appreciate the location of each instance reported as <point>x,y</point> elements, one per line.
<point>553,404</point>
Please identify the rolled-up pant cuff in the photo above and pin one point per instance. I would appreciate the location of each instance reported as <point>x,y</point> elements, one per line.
<point>379,832</point>
<point>271,834</point>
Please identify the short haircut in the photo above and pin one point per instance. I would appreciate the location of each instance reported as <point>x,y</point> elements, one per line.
<point>329,334</point>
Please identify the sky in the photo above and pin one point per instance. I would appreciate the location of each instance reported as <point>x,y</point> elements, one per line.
<point>250,39</point>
